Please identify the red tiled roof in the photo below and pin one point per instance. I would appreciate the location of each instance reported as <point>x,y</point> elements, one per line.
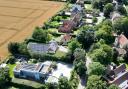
<point>67,26</point>
<point>67,37</point>
<point>122,40</point>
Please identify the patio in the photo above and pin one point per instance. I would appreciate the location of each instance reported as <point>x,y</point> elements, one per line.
<point>63,69</point>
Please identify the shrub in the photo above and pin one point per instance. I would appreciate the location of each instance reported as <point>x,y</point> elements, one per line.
<point>94,20</point>
<point>54,65</point>
<point>74,80</point>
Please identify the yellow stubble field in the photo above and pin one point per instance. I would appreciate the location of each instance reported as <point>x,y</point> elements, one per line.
<point>18,18</point>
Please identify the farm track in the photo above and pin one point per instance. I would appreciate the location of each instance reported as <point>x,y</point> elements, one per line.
<point>18,18</point>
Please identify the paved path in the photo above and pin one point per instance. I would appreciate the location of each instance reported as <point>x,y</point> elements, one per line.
<point>82,83</point>
<point>88,61</point>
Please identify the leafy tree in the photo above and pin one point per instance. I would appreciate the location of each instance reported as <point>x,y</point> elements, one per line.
<point>115,54</point>
<point>4,77</point>
<point>96,68</point>
<point>95,4</point>
<point>107,22</point>
<point>113,87</point>
<point>12,59</point>
<point>122,10</point>
<point>51,86</point>
<point>80,61</point>
<point>18,48</point>
<point>120,1</point>
<point>106,1</point>
<point>94,20</point>
<point>125,2</point>
<point>108,8</point>
<point>86,37</point>
<point>97,45</point>
<point>13,47</point>
<point>64,83</point>
<point>80,67</point>
<point>41,35</point>
<point>72,1</point>
<point>94,82</point>
<point>23,49</point>
<point>121,25</point>
<point>74,80</point>
<point>105,32</point>
<point>99,4</point>
<point>102,54</point>
<point>79,54</point>
<point>73,45</point>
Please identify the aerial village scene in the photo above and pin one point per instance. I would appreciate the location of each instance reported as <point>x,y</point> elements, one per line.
<point>63,44</point>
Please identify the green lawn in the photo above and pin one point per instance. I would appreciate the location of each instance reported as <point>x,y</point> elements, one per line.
<point>100,19</point>
<point>76,32</point>
<point>88,6</point>
<point>27,82</point>
<point>54,24</point>
<point>59,54</point>
<point>11,67</point>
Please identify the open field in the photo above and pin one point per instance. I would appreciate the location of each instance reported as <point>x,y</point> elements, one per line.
<point>18,18</point>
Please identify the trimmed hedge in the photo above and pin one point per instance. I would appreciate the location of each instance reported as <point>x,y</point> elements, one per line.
<point>44,57</point>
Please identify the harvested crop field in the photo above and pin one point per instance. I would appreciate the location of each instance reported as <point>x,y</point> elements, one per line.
<point>18,18</point>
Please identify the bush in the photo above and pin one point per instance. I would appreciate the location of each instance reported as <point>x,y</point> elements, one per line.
<point>12,59</point>
<point>122,10</point>
<point>51,57</point>
<point>108,8</point>
<point>96,68</point>
<point>96,12</point>
<point>74,80</point>
<point>94,19</point>
<point>54,65</point>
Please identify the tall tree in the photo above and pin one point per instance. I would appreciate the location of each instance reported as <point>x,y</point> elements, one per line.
<point>79,54</point>
<point>64,83</point>
<point>96,68</point>
<point>108,8</point>
<point>105,32</point>
<point>102,54</point>
<point>86,37</point>
<point>121,25</point>
<point>73,45</point>
<point>41,35</point>
<point>4,77</point>
<point>72,1</point>
<point>13,47</point>
<point>122,10</point>
<point>94,82</point>
<point>113,87</point>
<point>80,67</point>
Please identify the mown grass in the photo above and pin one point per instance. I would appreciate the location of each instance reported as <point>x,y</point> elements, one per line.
<point>59,54</point>
<point>88,6</point>
<point>27,82</point>
<point>11,67</point>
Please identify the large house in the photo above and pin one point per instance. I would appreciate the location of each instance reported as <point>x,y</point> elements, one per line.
<point>76,9</point>
<point>39,48</point>
<point>65,39</point>
<point>121,41</point>
<point>120,44</point>
<point>32,71</point>
<point>117,75</point>
<point>69,25</point>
